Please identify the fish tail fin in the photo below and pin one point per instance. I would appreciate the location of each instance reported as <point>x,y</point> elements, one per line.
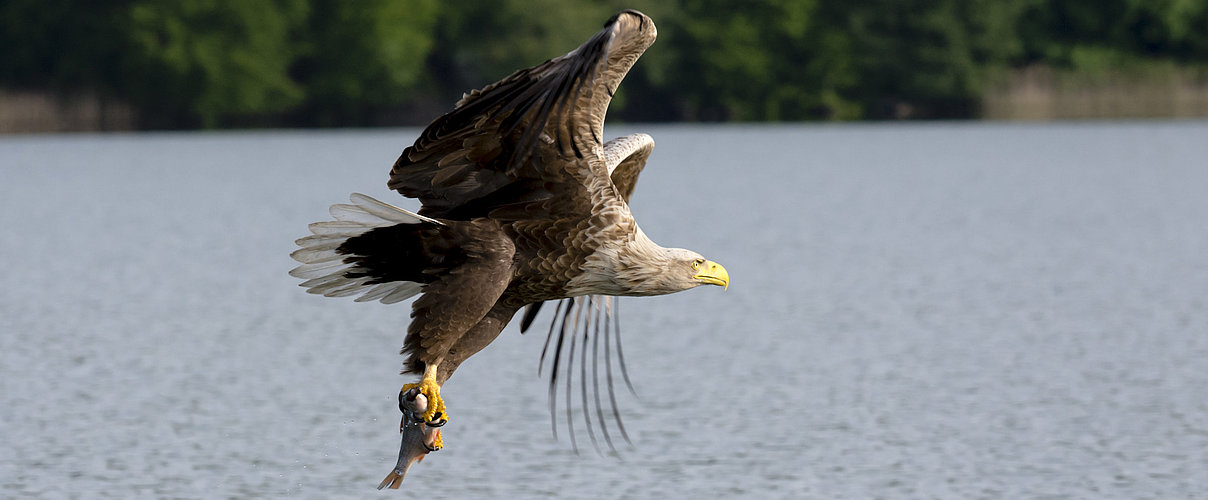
<point>393,480</point>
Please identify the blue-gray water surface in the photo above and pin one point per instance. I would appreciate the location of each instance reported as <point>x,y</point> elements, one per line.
<point>916,311</point>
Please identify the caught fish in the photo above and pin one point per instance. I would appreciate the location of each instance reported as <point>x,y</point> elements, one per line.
<point>419,437</point>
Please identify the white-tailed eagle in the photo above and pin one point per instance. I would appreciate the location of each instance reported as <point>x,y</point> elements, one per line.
<point>521,202</point>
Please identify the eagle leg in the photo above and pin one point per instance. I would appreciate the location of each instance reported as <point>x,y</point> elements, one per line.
<point>436,415</point>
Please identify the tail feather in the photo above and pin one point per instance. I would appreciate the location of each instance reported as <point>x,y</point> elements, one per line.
<point>341,288</point>
<point>378,291</point>
<point>324,240</point>
<point>332,272</point>
<point>317,245</point>
<point>316,254</point>
<point>315,270</point>
<point>402,292</point>
<point>336,228</point>
<point>314,283</point>
<point>387,211</point>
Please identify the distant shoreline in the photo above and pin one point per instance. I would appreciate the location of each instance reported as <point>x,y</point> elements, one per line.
<point>1035,93</point>
<point>1042,93</point>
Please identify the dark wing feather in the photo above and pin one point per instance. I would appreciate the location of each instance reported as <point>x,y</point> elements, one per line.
<point>500,145</point>
<point>530,314</point>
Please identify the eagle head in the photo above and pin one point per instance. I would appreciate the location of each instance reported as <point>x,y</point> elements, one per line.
<point>670,270</point>
<point>688,269</point>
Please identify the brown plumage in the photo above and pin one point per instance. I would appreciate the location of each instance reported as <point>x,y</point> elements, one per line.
<point>521,202</point>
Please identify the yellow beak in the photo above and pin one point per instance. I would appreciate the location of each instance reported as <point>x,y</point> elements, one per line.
<point>713,274</point>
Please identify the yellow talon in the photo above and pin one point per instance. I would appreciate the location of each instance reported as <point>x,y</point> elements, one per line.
<point>435,403</point>
<point>430,390</point>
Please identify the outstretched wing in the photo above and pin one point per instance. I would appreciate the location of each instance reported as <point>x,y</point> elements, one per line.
<point>630,153</point>
<point>532,137</point>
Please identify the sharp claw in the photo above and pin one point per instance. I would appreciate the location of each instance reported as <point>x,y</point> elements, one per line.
<point>406,396</point>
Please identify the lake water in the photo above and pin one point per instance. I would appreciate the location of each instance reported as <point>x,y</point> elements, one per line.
<point>916,311</point>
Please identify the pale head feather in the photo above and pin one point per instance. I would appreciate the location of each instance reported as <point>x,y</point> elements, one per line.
<point>640,267</point>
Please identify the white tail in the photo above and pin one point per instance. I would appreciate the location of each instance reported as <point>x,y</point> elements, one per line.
<point>324,268</point>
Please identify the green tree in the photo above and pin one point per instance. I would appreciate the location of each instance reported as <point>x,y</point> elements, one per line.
<point>361,57</point>
<point>481,41</point>
<point>189,63</point>
<point>1096,35</point>
<point>63,45</point>
<point>759,60</point>
<point>210,62</point>
<point>923,58</point>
